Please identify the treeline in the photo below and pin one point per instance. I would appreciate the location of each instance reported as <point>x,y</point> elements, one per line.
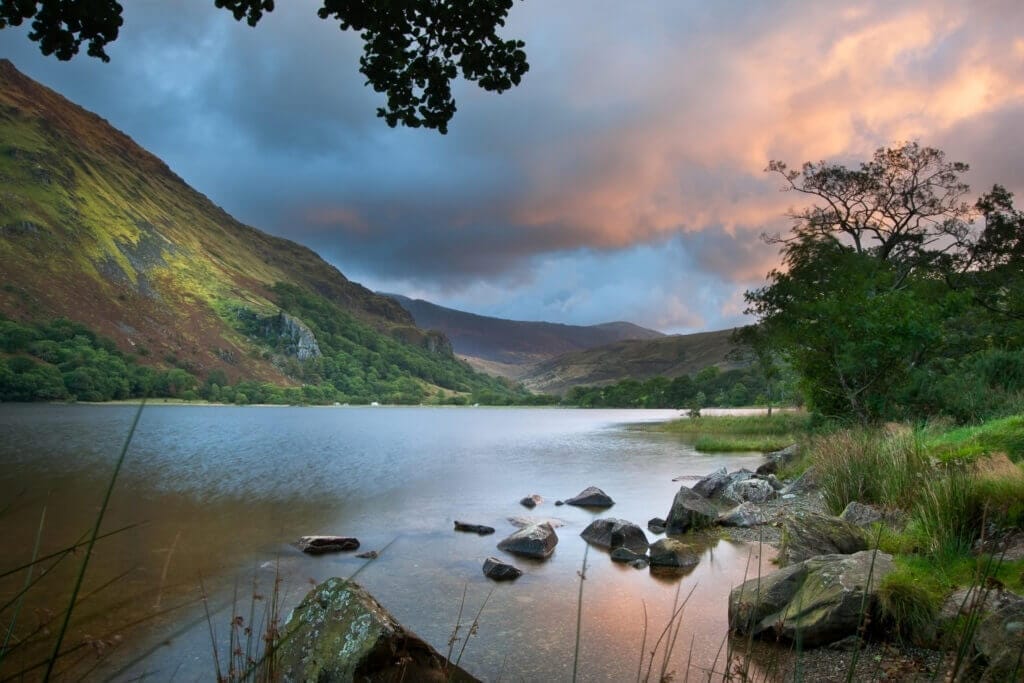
<point>897,299</point>
<point>711,387</point>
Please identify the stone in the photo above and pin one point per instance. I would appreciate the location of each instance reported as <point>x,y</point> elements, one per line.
<point>531,501</point>
<point>656,525</point>
<point>612,533</point>
<point>774,481</point>
<point>521,521</point>
<point>368,555</point>
<point>668,552</point>
<point>500,571</point>
<point>318,545</point>
<point>536,540</point>
<point>622,554</point>
<point>749,490</point>
<point>689,511</point>
<point>819,600</point>
<point>591,497</point>
<point>805,535</point>
<point>340,633</point>
<point>784,456</point>
<point>860,514</point>
<point>480,529</point>
<point>743,515</point>
<point>805,483</point>
<point>712,483</point>
<point>770,467</point>
<point>559,502</point>
<point>1000,641</point>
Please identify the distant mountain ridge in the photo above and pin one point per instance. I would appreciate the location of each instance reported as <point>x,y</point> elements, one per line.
<point>667,356</point>
<point>515,342</point>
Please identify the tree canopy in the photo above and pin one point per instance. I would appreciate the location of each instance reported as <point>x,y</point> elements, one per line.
<point>412,49</point>
<point>889,300</point>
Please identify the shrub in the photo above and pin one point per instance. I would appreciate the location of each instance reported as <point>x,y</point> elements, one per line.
<point>907,606</point>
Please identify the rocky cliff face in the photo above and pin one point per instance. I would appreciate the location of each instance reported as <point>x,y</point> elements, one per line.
<point>299,340</point>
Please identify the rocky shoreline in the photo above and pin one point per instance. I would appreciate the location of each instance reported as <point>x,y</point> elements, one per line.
<point>819,611</point>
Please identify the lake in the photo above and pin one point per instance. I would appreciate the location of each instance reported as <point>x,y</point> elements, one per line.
<point>217,495</point>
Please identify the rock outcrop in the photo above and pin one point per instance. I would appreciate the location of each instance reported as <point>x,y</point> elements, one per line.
<point>689,511</point>
<point>820,600</point>
<point>712,484</point>
<point>536,540</point>
<point>611,533</point>
<point>668,552</point>
<point>340,633</point>
<point>805,535</point>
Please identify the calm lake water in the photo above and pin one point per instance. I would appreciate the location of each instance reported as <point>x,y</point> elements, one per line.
<point>218,495</point>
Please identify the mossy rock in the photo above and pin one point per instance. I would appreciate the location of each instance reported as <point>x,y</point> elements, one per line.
<point>807,535</point>
<point>340,633</point>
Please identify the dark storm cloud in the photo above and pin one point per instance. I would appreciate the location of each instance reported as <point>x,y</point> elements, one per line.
<point>634,148</point>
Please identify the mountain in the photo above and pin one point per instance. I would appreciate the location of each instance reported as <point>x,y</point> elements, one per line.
<point>506,347</point>
<point>667,356</point>
<point>95,229</point>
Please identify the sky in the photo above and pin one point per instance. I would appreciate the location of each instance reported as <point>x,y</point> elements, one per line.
<point>622,180</point>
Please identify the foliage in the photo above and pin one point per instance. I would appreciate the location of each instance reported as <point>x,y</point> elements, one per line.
<point>1004,435</point>
<point>412,49</point>
<point>909,605</point>
<point>711,387</point>
<point>888,305</point>
<point>867,466</point>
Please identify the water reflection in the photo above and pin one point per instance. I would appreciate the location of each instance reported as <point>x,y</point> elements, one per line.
<point>220,494</point>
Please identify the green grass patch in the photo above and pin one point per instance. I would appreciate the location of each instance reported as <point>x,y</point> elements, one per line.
<point>779,425</point>
<point>1005,435</point>
<point>731,444</point>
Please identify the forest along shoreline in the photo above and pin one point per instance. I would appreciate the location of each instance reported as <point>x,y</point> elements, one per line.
<point>847,597</point>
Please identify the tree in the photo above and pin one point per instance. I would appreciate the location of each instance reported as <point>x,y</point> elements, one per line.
<point>412,50</point>
<point>860,301</point>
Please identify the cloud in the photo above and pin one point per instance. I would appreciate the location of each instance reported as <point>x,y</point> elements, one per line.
<point>637,140</point>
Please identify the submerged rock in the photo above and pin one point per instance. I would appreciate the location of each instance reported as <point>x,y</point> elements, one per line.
<point>368,555</point>
<point>536,540</point>
<point>591,497</point>
<point>612,533</point>
<point>474,528</point>
<point>318,545</point>
<point>521,521</point>
<point>500,571</point>
<point>689,511</point>
<point>809,534</point>
<point>340,633</point>
<point>656,525</point>
<point>819,601</point>
<point>668,552</point>
<point>622,554</point>
<point>531,501</point>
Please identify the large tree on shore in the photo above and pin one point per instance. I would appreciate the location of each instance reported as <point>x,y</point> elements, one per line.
<point>860,299</point>
<point>413,49</point>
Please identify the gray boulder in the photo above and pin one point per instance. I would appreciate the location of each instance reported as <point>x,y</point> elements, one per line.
<point>318,545</point>
<point>712,483</point>
<point>860,514</point>
<point>743,515</point>
<point>1000,642</point>
<point>500,571</point>
<point>622,554</point>
<point>531,501</point>
<point>668,552</point>
<point>656,525</point>
<point>805,483</point>
<point>689,511</point>
<point>591,497</point>
<point>536,540</point>
<point>819,601</point>
<point>616,533</point>
<point>809,534</point>
<point>752,490</point>
<point>340,633</point>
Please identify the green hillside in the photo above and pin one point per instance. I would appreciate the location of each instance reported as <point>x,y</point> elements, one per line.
<point>96,230</point>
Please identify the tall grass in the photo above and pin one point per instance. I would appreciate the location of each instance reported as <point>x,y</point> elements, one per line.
<point>868,466</point>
